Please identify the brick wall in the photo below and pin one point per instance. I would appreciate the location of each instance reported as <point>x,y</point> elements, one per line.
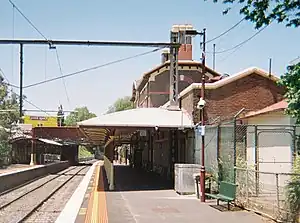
<point>185,52</point>
<point>253,92</point>
<point>162,84</point>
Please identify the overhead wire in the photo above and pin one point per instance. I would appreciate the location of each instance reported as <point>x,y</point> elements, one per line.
<point>36,29</point>
<point>243,42</point>
<point>227,31</point>
<point>56,52</point>
<point>29,102</point>
<point>93,68</point>
<point>63,79</point>
<point>12,46</point>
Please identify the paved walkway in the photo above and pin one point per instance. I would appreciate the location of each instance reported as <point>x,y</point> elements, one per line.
<point>144,198</point>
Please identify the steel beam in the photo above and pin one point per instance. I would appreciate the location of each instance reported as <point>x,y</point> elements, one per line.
<point>86,43</point>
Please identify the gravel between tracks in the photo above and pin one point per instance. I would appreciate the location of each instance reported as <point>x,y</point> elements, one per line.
<point>22,190</point>
<point>50,210</point>
<point>19,208</point>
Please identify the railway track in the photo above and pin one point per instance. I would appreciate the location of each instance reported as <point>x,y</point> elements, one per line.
<point>20,208</point>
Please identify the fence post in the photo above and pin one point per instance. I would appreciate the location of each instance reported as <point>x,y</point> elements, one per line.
<point>218,154</point>
<point>256,160</point>
<point>277,193</point>
<point>234,149</point>
<point>247,186</point>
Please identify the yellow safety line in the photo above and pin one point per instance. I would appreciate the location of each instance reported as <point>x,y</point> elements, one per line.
<point>102,199</point>
<point>97,209</point>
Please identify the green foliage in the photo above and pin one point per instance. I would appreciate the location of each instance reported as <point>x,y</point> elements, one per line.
<point>293,193</point>
<point>120,105</point>
<point>263,12</point>
<point>291,81</point>
<point>80,114</point>
<point>84,152</point>
<point>8,101</point>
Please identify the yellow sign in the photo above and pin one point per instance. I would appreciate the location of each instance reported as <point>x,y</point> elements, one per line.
<point>36,121</point>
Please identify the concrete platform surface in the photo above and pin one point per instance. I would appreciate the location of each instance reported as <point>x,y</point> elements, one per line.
<point>144,198</point>
<point>17,167</point>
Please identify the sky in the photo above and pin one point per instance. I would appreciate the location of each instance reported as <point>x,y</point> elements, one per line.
<point>129,20</point>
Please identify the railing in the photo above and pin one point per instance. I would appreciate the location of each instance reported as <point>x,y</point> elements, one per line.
<point>266,192</point>
<point>109,169</point>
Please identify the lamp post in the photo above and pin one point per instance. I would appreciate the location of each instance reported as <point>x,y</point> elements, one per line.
<point>200,106</point>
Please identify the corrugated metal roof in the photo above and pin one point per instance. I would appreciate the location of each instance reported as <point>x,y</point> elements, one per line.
<point>142,117</point>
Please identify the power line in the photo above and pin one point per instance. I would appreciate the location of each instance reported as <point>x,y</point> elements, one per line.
<point>63,79</point>
<point>34,106</point>
<point>29,102</point>
<point>92,68</point>
<point>56,52</point>
<point>243,42</point>
<point>227,31</point>
<point>14,5</point>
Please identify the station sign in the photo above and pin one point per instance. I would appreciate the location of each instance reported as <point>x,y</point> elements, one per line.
<point>41,121</point>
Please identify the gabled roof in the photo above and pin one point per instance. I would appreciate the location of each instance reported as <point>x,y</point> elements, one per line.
<point>147,75</point>
<point>282,105</point>
<point>230,79</point>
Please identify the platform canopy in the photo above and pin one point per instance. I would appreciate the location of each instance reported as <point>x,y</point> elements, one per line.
<point>139,118</point>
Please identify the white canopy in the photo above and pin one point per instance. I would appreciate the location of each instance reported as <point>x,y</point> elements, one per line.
<point>142,117</point>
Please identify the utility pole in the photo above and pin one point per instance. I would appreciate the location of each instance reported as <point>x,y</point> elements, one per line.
<point>174,77</point>
<point>202,168</point>
<point>214,56</point>
<point>21,83</point>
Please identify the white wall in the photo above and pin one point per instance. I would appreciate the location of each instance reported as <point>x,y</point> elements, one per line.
<point>274,146</point>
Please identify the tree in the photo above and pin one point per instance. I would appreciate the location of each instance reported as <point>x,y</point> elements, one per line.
<point>8,118</point>
<point>79,114</point>
<point>120,105</point>
<point>263,12</point>
<point>291,81</point>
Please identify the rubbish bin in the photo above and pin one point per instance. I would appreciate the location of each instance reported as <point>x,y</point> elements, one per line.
<point>196,177</point>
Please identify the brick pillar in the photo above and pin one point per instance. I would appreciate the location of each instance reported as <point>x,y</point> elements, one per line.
<point>185,52</point>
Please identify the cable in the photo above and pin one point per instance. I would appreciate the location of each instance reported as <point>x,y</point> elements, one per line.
<point>242,43</point>
<point>57,56</point>
<point>34,105</point>
<point>36,29</point>
<point>92,68</point>
<point>227,31</point>
<point>229,55</point>
<point>61,73</point>
<point>4,76</point>
<point>13,46</point>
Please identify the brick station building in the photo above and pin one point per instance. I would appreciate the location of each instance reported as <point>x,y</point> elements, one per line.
<point>225,95</point>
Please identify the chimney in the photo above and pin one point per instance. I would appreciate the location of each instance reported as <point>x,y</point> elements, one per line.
<point>186,49</point>
<point>165,55</point>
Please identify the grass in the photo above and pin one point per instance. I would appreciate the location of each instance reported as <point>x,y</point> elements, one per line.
<point>84,152</point>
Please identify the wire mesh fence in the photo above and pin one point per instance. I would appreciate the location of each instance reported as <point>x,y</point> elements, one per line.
<point>266,192</point>
<point>259,158</point>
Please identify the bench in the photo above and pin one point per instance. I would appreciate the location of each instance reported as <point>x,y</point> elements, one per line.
<point>226,193</point>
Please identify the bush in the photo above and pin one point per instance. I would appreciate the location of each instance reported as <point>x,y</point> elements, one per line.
<point>293,193</point>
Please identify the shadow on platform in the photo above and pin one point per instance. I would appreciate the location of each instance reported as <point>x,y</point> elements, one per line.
<point>130,179</point>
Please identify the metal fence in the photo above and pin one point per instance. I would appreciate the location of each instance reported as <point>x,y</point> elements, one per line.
<point>262,153</point>
<point>268,196</point>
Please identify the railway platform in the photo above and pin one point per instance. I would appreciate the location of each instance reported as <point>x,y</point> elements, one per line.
<point>141,197</point>
<point>16,167</point>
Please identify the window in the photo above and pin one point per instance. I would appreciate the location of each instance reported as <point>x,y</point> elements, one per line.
<point>188,39</point>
